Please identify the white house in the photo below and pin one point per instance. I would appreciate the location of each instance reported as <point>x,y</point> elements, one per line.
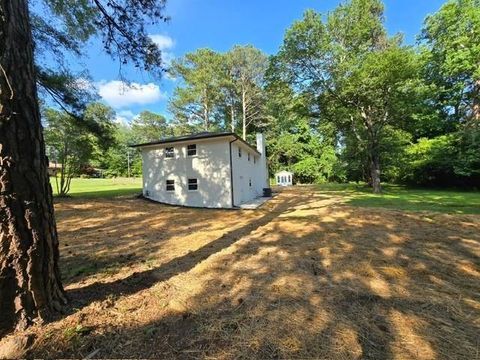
<point>284,178</point>
<point>213,170</point>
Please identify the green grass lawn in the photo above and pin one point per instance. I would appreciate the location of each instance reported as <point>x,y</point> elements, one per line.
<point>404,198</point>
<point>94,188</point>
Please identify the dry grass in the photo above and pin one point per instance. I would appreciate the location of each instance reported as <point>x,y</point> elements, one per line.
<point>304,277</point>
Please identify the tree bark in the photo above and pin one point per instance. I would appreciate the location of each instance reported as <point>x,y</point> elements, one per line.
<point>232,117</point>
<point>476,102</point>
<point>375,172</point>
<point>30,285</point>
<point>244,111</point>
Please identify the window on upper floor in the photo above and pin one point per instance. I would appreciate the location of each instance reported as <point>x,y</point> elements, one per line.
<point>192,184</point>
<point>170,185</point>
<point>192,150</point>
<point>169,152</point>
<point>248,156</point>
<point>254,159</point>
<point>239,152</point>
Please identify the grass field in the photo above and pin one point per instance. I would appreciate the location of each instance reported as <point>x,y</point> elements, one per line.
<point>305,276</point>
<point>393,197</point>
<point>98,188</point>
<point>404,198</point>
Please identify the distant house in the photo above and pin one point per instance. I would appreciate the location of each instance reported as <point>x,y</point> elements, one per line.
<point>54,168</point>
<point>213,170</point>
<point>284,178</point>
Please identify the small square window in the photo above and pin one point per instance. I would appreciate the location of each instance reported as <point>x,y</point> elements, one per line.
<point>192,150</point>
<point>169,152</point>
<point>192,184</point>
<point>170,185</point>
<point>248,156</point>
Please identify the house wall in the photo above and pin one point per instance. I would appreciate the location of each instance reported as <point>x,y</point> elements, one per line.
<point>211,166</point>
<point>244,171</point>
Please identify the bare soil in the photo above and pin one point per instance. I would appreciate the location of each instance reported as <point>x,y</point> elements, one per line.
<point>304,276</point>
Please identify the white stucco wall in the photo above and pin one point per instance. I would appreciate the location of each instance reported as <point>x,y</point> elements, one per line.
<point>211,166</point>
<point>244,171</point>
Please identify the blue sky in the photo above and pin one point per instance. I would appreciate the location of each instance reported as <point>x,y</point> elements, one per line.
<point>220,24</point>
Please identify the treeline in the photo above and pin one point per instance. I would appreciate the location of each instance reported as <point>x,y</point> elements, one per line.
<point>341,100</point>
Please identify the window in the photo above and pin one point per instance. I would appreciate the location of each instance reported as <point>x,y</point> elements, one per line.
<point>250,182</point>
<point>192,150</point>
<point>169,152</point>
<point>170,185</point>
<point>254,160</point>
<point>239,151</point>
<point>192,184</point>
<point>248,156</point>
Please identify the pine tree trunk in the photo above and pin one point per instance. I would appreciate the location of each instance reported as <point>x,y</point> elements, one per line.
<point>244,111</point>
<point>232,116</point>
<point>30,283</point>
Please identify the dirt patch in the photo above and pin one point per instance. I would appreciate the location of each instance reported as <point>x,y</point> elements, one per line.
<point>305,276</point>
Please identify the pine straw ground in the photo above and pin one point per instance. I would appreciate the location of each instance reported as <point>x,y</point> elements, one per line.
<point>305,276</point>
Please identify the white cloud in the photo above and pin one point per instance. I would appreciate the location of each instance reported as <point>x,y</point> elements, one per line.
<point>119,94</point>
<point>125,117</point>
<point>164,42</point>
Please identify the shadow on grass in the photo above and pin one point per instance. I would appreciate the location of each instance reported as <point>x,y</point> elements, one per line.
<point>330,283</point>
<point>404,198</point>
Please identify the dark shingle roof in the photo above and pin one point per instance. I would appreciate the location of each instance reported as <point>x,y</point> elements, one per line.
<point>197,136</point>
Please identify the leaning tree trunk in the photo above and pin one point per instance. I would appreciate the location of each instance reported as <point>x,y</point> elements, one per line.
<point>30,284</point>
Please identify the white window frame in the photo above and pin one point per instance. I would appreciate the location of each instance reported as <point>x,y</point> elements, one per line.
<point>196,184</point>
<point>196,150</point>
<point>167,185</point>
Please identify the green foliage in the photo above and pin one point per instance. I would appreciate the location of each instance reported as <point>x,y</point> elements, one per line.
<point>341,100</point>
<point>148,126</point>
<point>74,143</point>
<point>446,160</point>
<point>68,144</point>
<point>219,90</point>
<point>196,102</point>
<point>452,53</point>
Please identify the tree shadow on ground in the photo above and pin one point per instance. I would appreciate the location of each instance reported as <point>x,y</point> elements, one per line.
<point>304,280</point>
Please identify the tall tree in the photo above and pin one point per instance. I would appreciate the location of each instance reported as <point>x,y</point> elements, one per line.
<point>196,100</point>
<point>349,63</point>
<point>451,37</point>
<point>30,284</point>
<point>72,144</point>
<point>68,144</point>
<point>148,126</point>
<point>247,69</point>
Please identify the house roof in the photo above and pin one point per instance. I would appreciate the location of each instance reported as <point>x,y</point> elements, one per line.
<point>284,172</point>
<point>197,136</point>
